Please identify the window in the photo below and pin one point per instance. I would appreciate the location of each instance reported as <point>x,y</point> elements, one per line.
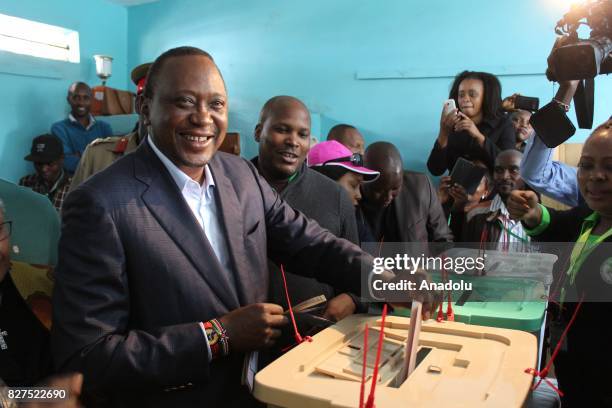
<point>27,37</point>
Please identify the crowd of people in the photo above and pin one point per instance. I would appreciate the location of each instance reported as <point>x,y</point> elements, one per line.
<point>177,261</point>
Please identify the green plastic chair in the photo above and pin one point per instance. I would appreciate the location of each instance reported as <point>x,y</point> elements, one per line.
<point>36,224</point>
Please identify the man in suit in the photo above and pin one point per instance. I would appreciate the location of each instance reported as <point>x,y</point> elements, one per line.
<point>401,206</point>
<point>283,134</point>
<point>163,275</point>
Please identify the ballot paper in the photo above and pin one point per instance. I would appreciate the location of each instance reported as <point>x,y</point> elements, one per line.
<point>249,369</point>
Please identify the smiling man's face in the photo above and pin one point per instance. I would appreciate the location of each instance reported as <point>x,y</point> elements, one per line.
<point>79,98</point>
<point>284,138</point>
<point>506,173</point>
<point>187,113</point>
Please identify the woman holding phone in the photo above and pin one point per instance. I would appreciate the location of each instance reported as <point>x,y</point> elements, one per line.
<point>476,128</point>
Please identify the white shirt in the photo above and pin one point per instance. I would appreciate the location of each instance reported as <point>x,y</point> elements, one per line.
<point>203,204</point>
<point>92,120</point>
<point>512,229</point>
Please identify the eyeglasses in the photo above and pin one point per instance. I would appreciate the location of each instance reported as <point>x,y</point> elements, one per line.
<point>5,230</point>
<point>356,159</point>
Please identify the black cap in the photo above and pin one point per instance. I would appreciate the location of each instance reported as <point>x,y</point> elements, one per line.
<point>45,149</point>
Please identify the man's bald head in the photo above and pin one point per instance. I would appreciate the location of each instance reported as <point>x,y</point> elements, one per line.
<point>349,136</point>
<point>386,159</point>
<point>78,86</point>
<point>278,103</point>
<point>604,129</point>
<point>383,157</point>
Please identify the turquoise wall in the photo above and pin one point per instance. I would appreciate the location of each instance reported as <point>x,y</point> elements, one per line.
<point>384,66</point>
<point>33,90</point>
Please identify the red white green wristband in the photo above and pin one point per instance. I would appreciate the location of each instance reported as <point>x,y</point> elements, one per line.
<point>217,337</point>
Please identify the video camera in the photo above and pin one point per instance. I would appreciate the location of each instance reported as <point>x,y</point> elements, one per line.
<point>574,58</point>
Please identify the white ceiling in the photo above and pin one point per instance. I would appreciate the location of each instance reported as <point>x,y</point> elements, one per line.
<point>131,2</point>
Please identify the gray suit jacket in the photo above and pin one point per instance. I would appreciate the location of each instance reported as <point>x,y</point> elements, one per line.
<point>136,274</point>
<point>420,217</point>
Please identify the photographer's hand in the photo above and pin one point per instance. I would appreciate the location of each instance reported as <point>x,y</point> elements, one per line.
<point>566,91</point>
<point>508,102</point>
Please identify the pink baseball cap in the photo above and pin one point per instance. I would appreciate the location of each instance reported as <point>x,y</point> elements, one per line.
<point>333,153</point>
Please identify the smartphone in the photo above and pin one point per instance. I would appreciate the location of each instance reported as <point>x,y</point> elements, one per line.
<point>527,103</point>
<point>449,106</point>
<point>466,174</point>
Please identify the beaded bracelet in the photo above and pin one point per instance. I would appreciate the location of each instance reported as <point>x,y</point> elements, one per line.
<point>562,105</point>
<point>218,339</point>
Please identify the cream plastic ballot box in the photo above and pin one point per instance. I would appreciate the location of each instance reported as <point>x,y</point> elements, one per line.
<point>458,365</point>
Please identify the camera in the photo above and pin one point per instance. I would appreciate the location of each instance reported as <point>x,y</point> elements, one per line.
<point>573,58</point>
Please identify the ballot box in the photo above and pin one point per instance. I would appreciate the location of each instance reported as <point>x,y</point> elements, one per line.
<point>510,303</point>
<point>457,365</point>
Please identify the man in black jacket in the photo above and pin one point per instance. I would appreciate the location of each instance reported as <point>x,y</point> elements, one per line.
<point>283,134</point>
<point>401,206</point>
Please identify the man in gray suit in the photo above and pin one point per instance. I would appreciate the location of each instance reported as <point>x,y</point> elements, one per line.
<point>401,206</point>
<point>163,276</point>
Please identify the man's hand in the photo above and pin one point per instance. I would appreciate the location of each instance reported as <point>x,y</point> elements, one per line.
<point>457,192</point>
<point>509,101</point>
<point>443,189</point>
<point>339,307</point>
<point>71,383</point>
<point>460,197</point>
<point>566,91</point>
<point>523,206</point>
<point>429,299</point>
<point>469,126</point>
<point>254,327</point>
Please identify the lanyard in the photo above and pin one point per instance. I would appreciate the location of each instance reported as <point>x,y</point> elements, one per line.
<point>293,176</point>
<point>504,228</point>
<point>582,249</point>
